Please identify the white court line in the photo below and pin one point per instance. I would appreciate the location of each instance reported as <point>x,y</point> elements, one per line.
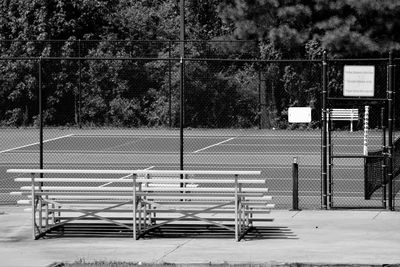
<point>207,147</point>
<point>124,177</point>
<point>37,143</point>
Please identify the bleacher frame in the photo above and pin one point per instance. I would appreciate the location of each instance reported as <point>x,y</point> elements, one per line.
<point>143,200</point>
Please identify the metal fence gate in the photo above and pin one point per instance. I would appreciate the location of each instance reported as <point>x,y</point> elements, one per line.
<point>357,149</point>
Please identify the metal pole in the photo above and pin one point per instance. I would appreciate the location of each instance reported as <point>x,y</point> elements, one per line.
<point>324,174</point>
<point>384,152</point>
<point>170,85</point>
<point>330,160</point>
<point>295,178</point>
<point>366,126</point>
<point>134,204</point>
<point>182,80</point>
<point>259,99</point>
<point>40,100</point>
<point>390,130</point>
<point>80,86</point>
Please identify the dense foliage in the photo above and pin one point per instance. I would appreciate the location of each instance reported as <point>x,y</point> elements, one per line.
<point>145,92</point>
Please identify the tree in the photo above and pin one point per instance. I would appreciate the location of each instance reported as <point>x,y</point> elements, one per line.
<point>343,27</point>
<point>358,28</point>
<point>144,20</point>
<point>54,19</point>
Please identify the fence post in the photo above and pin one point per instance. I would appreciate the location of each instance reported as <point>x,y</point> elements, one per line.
<point>324,173</point>
<point>295,178</point>
<point>40,100</point>
<point>330,160</point>
<point>80,86</point>
<point>169,84</point>
<point>182,80</point>
<point>263,101</point>
<point>384,152</point>
<point>390,131</point>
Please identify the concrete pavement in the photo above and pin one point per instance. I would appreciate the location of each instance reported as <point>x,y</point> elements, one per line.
<point>366,237</point>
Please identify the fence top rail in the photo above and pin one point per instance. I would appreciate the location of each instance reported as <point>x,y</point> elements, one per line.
<point>159,172</point>
<point>251,60</point>
<point>116,58</point>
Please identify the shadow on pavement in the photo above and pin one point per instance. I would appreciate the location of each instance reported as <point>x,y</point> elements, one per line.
<point>169,231</point>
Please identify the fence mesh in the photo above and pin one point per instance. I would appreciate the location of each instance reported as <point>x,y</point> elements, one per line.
<point>18,118</point>
<point>117,105</point>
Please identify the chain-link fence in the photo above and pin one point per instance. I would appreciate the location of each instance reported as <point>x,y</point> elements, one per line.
<point>117,104</point>
<point>351,139</point>
<point>18,113</point>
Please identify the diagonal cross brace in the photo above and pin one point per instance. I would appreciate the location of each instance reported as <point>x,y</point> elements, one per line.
<point>189,214</point>
<point>88,213</point>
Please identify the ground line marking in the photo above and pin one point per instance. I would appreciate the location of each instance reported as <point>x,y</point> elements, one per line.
<point>207,147</point>
<point>37,143</point>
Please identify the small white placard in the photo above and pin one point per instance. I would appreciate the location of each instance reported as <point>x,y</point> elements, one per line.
<point>358,80</point>
<point>299,114</point>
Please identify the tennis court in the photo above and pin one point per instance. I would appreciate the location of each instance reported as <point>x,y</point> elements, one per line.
<point>272,152</point>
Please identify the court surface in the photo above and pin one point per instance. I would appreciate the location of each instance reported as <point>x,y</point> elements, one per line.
<point>271,152</point>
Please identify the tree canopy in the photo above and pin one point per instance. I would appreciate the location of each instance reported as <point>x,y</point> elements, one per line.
<point>342,27</point>
<point>146,92</point>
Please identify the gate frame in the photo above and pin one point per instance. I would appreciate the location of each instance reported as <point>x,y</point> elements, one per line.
<point>326,149</point>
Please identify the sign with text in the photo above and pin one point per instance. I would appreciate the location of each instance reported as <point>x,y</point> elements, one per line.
<point>299,114</point>
<point>358,80</point>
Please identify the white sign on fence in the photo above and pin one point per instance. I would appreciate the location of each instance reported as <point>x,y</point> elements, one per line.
<point>299,114</point>
<point>358,80</point>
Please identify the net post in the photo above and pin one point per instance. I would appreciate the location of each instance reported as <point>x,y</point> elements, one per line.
<point>295,180</point>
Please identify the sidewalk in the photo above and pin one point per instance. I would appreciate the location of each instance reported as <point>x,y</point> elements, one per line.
<point>315,237</point>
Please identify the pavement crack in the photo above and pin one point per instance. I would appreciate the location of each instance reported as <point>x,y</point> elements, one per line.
<point>373,218</point>
<point>161,259</point>
<point>296,213</point>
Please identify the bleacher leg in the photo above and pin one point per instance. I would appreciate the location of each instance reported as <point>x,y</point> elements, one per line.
<point>134,206</point>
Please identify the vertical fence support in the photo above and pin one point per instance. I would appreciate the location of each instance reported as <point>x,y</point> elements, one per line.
<point>40,100</point>
<point>384,152</point>
<point>390,130</point>
<point>80,86</point>
<point>330,159</point>
<point>259,99</point>
<point>169,84</point>
<point>264,123</point>
<point>295,179</point>
<point>324,172</point>
<point>182,80</point>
